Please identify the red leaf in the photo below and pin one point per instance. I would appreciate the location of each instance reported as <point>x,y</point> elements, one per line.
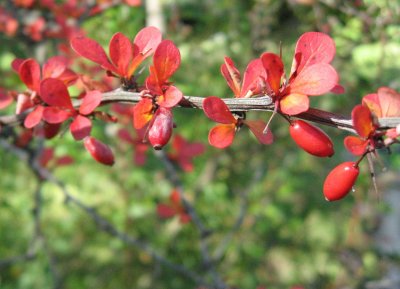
<point>121,51</point>
<point>34,117</point>
<point>231,75</point>
<point>222,135</point>
<point>64,160</point>
<point>99,151</point>
<point>142,113</point>
<point>362,121</point>
<point>51,130</point>
<point>125,135</point>
<point>216,110</point>
<point>80,127</point>
<point>146,41</point>
<point>91,50</point>
<point>23,103</point>
<point>316,79</point>
<point>257,127</point>
<point>29,72</point>
<point>54,67</point>
<point>171,97</point>
<point>55,93</point>
<point>253,79</point>
<point>90,101</point>
<point>166,60</point>
<point>54,115</point>
<point>294,103</point>
<point>5,99</point>
<point>355,145</point>
<point>274,68</point>
<point>386,103</point>
<point>338,89</point>
<point>46,156</point>
<point>16,63</point>
<point>314,47</point>
<point>165,211</point>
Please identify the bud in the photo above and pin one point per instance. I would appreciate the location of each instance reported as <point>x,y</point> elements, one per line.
<point>161,128</point>
<point>340,181</point>
<point>311,139</point>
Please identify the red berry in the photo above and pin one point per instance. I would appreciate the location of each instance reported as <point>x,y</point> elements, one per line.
<point>311,139</point>
<point>99,151</point>
<point>340,181</point>
<point>161,128</point>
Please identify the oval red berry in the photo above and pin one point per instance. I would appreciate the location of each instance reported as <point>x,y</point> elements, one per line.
<point>340,181</point>
<point>311,139</point>
<point>161,128</point>
<point>99,151</point>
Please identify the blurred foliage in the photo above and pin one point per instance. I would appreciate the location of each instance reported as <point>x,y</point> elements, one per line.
<point>290,235</point>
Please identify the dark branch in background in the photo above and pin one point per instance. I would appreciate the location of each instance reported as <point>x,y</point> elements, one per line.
<point>208,262</point>
<point>103,224</point>
<point>263,103</point>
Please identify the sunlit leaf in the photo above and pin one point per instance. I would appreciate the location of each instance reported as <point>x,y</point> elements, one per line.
<point>29,72</point>
<point>142,113</point>
<point>34,117</point>
<point>90,102</point>
<point>274,68</point>
<point>171,97</point>
<point>54,115</point>
<point>355,145</point>
<point>222,135</point>
<point>121,52</point>
<point>362,120</point>
<point>316,79</point>
<point>253,78</point>
<point>294,103</point>
<point>231,75</point>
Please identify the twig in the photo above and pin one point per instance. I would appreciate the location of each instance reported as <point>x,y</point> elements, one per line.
<point>263,103</point>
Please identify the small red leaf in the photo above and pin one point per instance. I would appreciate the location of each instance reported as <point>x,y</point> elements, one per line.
<point>142,113</point>
<point>171,97</point>
<point>5,99</point>
<point>34,117</point>
<point>222,135</point>
<point>316,79</point>
<point>362,121</point>
<point>355,145</point>
<point>54,67</point>
<point>231,75</point>
<point>91,50</point>
<point>166,60</point>
<point>29,72</point>
<point>253,79</point>
<point>166,211</point>
<point>16,63</point>
<point>99,151</point>
<point>55,93</point>
<point>80,127</point>
<point>54,115</point>
<point>23,103</point>
<point>146,41</point>
<point>216,110</point>
<point>64,161</point>
<point>386,103</point>
<point>294,103</point>
<point>257,128</point>
<point>121,51</point>
<point>274,68</point>
<point>314,47</point>
<point>51,130</point>
<point>125,135</point>
<point>90,101</point>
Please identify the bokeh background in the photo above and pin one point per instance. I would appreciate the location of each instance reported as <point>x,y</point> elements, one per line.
<point>266,220</point>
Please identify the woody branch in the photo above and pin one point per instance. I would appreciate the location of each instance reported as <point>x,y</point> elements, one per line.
<point>263,103</point>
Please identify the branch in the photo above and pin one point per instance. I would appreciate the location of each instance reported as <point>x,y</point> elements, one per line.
<point>263,103</point>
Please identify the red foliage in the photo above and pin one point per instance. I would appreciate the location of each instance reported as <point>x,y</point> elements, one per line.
<point>184,152</point>
<point>173,208</point>
<point>222,135</point>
